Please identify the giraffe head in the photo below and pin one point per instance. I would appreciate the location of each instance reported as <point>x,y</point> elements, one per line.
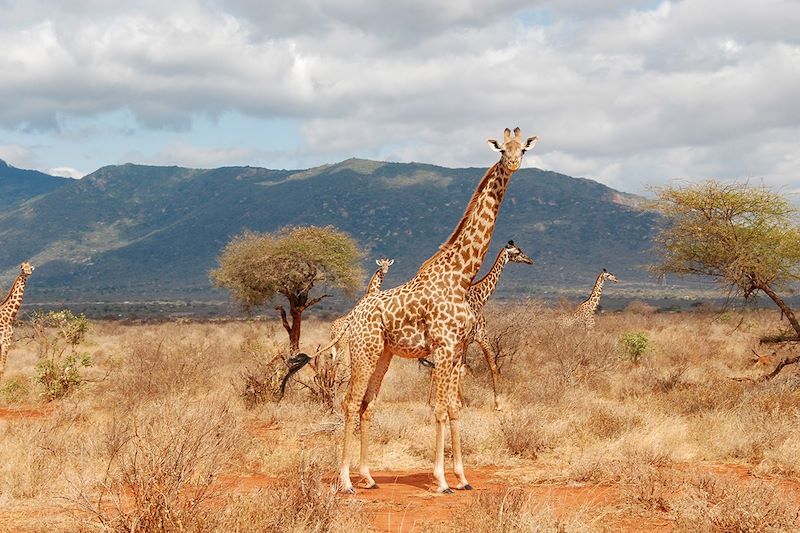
<point>609,276</point>
<point>384,264</point>
<point>25,269</point>
<point>512,148</point>
<point>516,255</point>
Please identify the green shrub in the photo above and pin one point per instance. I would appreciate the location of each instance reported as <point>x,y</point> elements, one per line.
<point>633,345</point>
<point>57,335</point>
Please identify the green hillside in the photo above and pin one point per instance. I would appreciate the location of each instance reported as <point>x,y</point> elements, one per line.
<point>133,231</point>
<point>19,185</point>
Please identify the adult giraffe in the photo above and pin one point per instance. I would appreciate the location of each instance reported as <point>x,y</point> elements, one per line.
<point>428,315</point>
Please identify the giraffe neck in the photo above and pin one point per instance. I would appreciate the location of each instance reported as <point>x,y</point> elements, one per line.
<point>487,284</point>
<point>597,290</point>
<point>463,253</point>
<point>12,303</point>
<point>375,282</point>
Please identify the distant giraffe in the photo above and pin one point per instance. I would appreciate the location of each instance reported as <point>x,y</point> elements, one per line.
<point>426,316</point>
<point>8,312</point>
<point>338,334</point>
<point>584,314</point>
<point>477,296</point>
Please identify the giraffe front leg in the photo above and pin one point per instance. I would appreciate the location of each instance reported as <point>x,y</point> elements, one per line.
<point>447,383</point>
<point>3,357</point>
<point>453,409</point>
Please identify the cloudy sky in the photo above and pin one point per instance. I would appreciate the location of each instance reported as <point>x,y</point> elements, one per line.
<point>631,93</point>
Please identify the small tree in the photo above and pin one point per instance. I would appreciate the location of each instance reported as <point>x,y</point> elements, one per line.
<point>746,237</point>
<point>257,267</point>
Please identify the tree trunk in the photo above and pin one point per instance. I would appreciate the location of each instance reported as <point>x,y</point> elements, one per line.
<point>785,309</point>
<point>293,329</point>
<point>294,334</point>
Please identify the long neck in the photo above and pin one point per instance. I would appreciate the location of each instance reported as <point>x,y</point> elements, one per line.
<point>461,256</point>
<point>12,303</point>
<point>597,290</point>
<point>375,282</point>
<point>484,287</point>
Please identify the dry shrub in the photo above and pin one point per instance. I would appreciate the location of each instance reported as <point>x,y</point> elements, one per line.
<point>697,398</point>
<point>161,363</point>
<point>715,505</point>
<point>524,435</point>
<point>262,375</point>
<point>598,468</point>
<point>304,503</point>
<point>163,465</point>
<point>513,511</point>
<point>605,423</point>
<point>649,487</point>
<point>639,307</point>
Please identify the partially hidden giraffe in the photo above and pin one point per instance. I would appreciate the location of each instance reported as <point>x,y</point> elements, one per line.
<point>8,312</point>
<point>477,296</point>
<point>338,333</point>
<point>584,314</point>
<point>428,315</point>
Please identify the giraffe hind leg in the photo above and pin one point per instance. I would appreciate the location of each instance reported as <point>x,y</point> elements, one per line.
<point>367,406</point>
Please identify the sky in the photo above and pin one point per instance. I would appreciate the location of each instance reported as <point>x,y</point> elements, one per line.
<point>632,94</point>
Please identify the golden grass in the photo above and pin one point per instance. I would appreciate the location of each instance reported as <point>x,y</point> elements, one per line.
<point>166,406</point>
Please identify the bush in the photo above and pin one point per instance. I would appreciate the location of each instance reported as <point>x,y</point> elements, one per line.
<point>15,389</point>
<point>57,335</point>
<point>633,345</point>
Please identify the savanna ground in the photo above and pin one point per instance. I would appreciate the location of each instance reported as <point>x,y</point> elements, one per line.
<point>176,430</point>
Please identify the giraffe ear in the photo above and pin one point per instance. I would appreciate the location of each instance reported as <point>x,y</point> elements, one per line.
<point>391,262</point>
<point>378,262</point>
<point>530,143</point>
<point>495,145</point>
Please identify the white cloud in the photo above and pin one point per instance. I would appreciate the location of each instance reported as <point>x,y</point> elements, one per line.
<point>626,92</point>
<point>65,172</point>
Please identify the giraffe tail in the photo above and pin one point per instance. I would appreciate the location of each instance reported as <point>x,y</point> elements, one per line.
<point>295,363</point>
<point>300,360</point>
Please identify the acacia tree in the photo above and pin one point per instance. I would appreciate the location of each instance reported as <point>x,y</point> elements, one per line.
<point>258,267</point>
<point>746,237</point>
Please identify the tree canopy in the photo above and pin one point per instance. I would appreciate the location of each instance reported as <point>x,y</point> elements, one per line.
<point>746,237</point>
<point>258,267</point>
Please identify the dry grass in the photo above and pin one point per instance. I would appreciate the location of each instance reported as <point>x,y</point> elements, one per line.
<point>175,414</point>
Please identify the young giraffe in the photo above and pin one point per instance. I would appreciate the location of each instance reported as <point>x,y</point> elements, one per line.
<point>477,296</point>
<point>428,315</point>
<point>8,312</point>
<point>338,334</point>
<point>584,314</point>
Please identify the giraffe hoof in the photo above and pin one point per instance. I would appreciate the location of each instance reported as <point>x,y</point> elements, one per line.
<point>373,486</point>
<point>349,490</point>
<point>447,490</point>
<point>466,487</point>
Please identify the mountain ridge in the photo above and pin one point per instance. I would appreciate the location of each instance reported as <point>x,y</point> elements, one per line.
<point>141,231</point>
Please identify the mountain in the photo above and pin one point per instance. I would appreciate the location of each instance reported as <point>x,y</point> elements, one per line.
<point>132,231</point>
<point>18,185</point>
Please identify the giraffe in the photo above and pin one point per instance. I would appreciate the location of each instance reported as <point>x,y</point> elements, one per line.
<point>338,333</point>
<point>8,312</point>
<point>584,314</point>
<point>428,315</point>
<point>477,296</point>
